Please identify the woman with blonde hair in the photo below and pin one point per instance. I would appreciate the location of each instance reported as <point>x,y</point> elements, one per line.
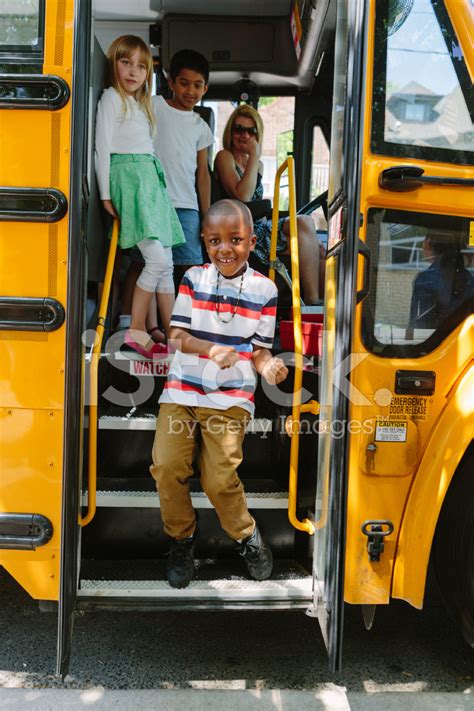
<point>132,183</point>
<point>238,170</point>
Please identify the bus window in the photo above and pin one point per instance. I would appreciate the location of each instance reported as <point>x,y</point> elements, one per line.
<point>338,103</point>
<point>284,147</point>
<point>278,116</point>
<point>22,29</point>
<point>422,98</point>
<point>422,286</point>
<point>319,179</point>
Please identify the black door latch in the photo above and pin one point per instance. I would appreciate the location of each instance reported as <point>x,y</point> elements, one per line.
<point>376,532</point>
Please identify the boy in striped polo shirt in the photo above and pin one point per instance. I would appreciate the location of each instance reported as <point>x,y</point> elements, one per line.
<point>223,324</point>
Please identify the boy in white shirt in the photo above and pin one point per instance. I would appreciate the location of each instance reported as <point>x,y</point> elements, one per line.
<point>181,143</point>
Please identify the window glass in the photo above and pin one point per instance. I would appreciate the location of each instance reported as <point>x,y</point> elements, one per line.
<point>339,101</point>
<point>21,26</point>
<point>284,148</point>
<point>422,280</point>
<point>423,99</point>
<point>278,116</point>
<point>319,179</point>
<point>19,67</point>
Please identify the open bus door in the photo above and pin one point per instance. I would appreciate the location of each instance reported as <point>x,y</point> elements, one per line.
<point>401,148</point>
<point>75,377</point>
<point>340,300</point>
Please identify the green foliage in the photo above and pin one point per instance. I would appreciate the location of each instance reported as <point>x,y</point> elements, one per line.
<point>266,101</point>
<point>284,146</point>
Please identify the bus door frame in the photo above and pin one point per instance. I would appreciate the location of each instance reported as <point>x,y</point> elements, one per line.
<point>74,372</point>
<point>329,538</point>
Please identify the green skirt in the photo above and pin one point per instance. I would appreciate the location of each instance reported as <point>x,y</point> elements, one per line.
<point>138,193</point>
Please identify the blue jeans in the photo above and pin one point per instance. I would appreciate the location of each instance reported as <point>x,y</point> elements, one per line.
<point>191,252</point>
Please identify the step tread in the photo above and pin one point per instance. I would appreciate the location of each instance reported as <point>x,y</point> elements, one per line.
<point>297,588</point>
<point>147,421</point>
<point>214,579</point>
<point>150,499</point>
<point>146,484</point>
<point>194,494</point>
<point>131,355</point>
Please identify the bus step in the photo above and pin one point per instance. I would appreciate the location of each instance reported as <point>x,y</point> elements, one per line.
<point>217,583</point>
<point>147,421</point>
<point>129,380</point>
<point>128,526</point>
<point>125,442</point>
<point>150,499</point>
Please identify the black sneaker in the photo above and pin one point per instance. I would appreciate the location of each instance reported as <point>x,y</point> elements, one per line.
<point>180,566</point>
<point>257,556</point>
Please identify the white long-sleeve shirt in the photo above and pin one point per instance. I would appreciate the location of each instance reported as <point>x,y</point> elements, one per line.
<point>118,132</point>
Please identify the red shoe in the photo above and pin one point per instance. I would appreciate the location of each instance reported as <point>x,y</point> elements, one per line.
<point>159,349</point>
<point>155,350</point>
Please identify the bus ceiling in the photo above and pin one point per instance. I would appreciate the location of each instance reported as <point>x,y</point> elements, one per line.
<point>276,46</point>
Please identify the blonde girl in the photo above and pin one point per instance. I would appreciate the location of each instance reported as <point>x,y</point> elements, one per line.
<point>132,183</point>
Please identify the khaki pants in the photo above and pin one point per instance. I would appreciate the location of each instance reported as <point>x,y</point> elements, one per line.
<point>217,437</point>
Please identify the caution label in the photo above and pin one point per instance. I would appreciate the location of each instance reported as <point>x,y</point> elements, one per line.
<point>471,234</point>
<point>414,407</point>
<point>391,431</point>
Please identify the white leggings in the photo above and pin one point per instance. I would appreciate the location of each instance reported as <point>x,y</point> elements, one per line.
<point>157,274</point>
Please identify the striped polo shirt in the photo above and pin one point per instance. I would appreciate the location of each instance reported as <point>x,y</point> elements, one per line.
<point>196,381</point>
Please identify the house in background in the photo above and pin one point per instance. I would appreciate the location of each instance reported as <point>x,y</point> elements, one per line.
<point>414,104</point>
<point>416,115</point>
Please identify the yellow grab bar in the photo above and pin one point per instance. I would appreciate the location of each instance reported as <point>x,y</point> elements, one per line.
<point>94,381</point>
<point>297,408</point>
<point>275,214</point>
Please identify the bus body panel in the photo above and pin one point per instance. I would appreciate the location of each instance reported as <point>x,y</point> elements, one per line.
<point>40,253</point>
<point>33,366</point>
<point>37,572</point>
<point>461,14</point>
<point>429,198</point>
<point>33,263</point>
<point>384,476</point>
<point>381,481</point>
<point>451,437</point>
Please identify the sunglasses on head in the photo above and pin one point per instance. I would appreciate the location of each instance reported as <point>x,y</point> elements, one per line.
<point>238,128</point>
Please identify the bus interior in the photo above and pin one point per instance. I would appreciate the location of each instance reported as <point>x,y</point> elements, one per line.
<point>251,49</point>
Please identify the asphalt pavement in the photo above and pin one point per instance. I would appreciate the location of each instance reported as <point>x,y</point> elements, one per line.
<point>226,660</point>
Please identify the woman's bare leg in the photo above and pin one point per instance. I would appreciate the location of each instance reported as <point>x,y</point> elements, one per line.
<point>322,269</point>
<point>308,250</point>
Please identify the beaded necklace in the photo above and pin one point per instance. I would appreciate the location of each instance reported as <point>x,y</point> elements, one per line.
<point>234,310</point>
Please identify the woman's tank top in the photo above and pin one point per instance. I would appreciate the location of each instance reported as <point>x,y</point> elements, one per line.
<point>258,192</point>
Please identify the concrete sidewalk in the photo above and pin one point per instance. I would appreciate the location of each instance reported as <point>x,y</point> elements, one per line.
<point>335,699</point>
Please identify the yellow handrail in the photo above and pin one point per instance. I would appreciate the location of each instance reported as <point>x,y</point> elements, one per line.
<point>93,380</point>
<point>297,407</point>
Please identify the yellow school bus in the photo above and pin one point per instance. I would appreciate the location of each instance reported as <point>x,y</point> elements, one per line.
<point>377,479</point>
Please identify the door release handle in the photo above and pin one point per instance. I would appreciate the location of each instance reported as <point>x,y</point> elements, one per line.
<point>403,178</point>
<point>364,251</point>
